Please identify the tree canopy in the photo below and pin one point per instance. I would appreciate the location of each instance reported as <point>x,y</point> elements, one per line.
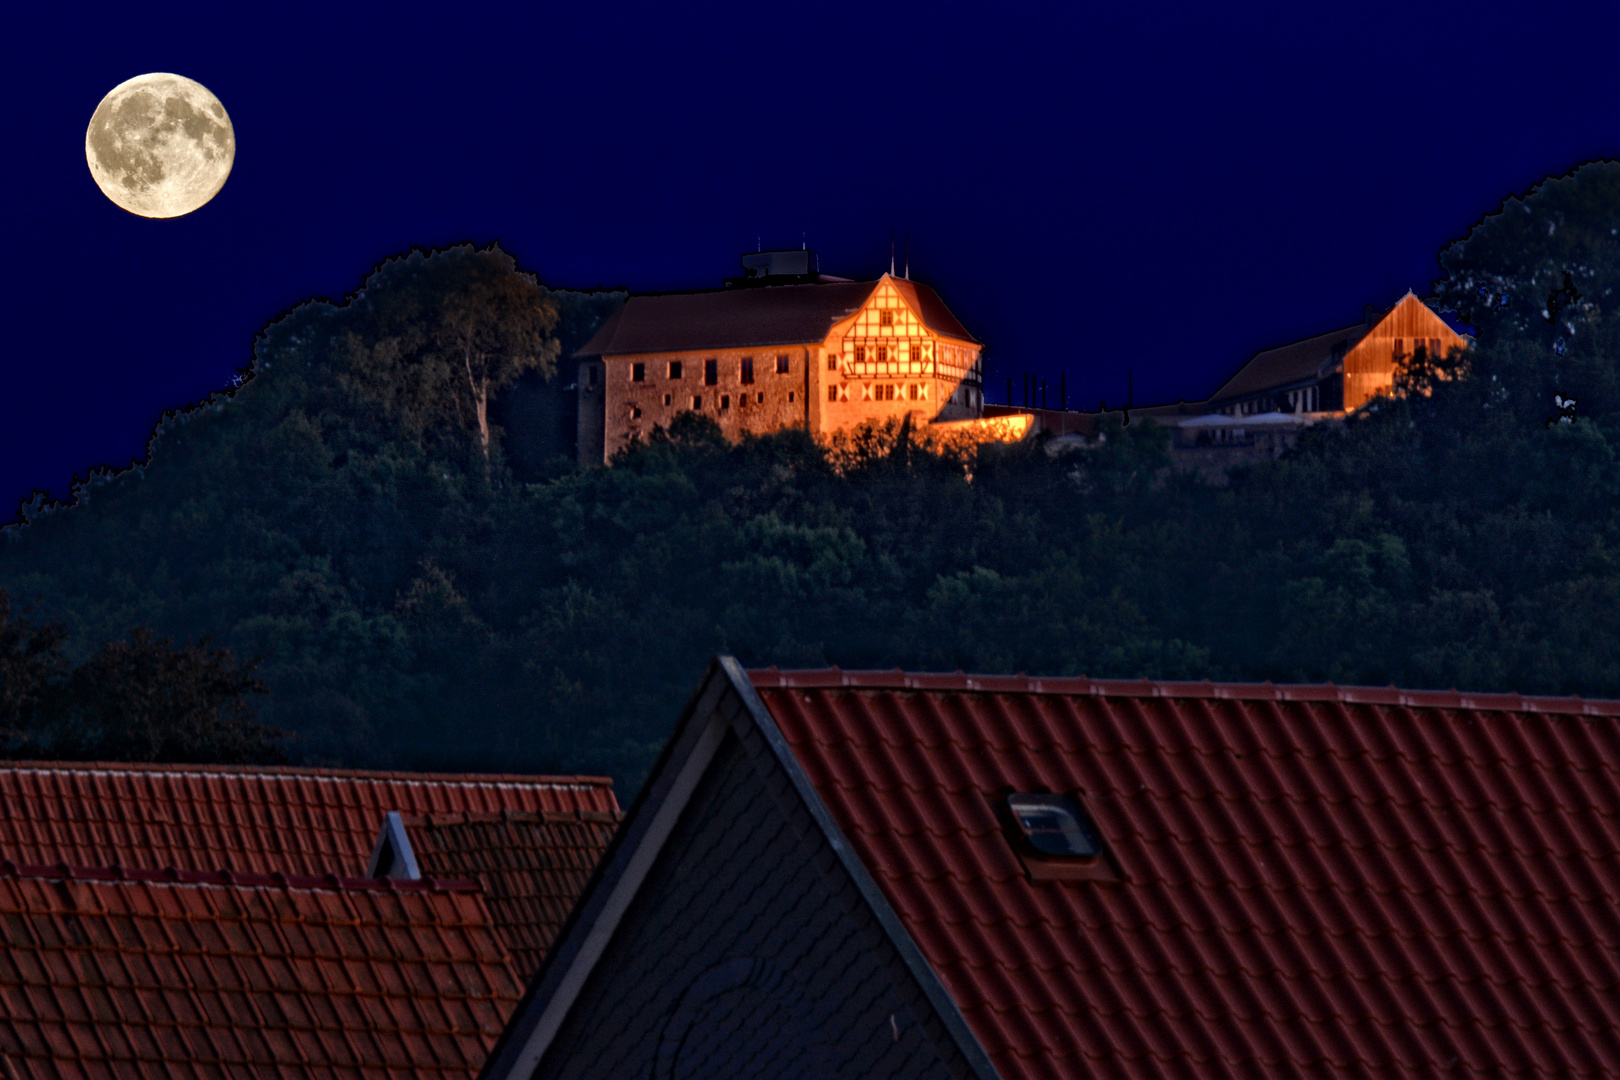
<point>416,604</point>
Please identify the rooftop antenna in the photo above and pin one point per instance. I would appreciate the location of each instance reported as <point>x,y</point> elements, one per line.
<point>908,254</point>
<point>804,245</point>
<point>891,253</point>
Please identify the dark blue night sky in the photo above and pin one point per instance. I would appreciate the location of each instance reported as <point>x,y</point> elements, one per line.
<point>1161,189</point>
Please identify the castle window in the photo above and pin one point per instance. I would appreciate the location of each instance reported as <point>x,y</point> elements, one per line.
<point>832,362</point>
<point>742,399</point>
<point>666,399</point>
<point>885,318</point>
<point>1054,825</point>
<point>635,414</point>
<point>697,401</point>
<point>638,372</point>
<point>782,364</point>
<point>916,391</point>
<point>761,399</point>
<point>674,369</point>
<point>832,393</point>
<point>883,354</point>
<point>748,369</point>
<point>725,401</point>
<point>860,354</point>
<point>711,372</point>
<point>790,397</point>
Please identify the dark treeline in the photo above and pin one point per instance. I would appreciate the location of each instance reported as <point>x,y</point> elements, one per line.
<point>417,598</point>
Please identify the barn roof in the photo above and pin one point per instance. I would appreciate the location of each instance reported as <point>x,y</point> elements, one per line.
<point>533,866</point>
<point>245,818</point>
<point>180,975</point>
<point>1321,880</point>
<point>1294,880</point>
<point>1287,365</point>
<point>776,315</point>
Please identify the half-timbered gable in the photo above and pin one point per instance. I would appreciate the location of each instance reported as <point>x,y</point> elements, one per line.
<point>898,354</point>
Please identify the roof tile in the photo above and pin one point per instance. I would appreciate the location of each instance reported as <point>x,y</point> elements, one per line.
<point>533,866</point>
<point>187,975</point>
<point>1319,880</point>
<point>256,819</point>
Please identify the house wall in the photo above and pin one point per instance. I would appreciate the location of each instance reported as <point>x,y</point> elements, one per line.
<point>748,953</point>
<point>592,397</point>
<point>1369,367</point>
<point>771,402</point>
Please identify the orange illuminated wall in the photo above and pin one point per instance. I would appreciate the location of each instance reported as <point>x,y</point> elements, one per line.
<point>884,362</point>
<point>1369,367</point>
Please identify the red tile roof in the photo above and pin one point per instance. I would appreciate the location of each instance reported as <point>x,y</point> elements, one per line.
<point>533,866</point>
<point>1316,880</point>
<point>249,819</point>
<point>181,975</point>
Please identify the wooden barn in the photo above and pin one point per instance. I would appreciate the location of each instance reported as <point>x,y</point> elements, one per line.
<point>1338,371</point>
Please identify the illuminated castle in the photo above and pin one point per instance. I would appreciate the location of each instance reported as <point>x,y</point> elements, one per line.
<point>781,346</point>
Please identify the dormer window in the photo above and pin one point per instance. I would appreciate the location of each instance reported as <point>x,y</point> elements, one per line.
<point>1054,825</point>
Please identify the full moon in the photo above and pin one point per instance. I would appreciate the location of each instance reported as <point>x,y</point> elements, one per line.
<point>160,145</point>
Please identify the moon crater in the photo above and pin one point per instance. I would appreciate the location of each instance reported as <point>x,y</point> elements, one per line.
<point>160,145</point>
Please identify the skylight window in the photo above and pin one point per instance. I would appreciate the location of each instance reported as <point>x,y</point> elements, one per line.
<point>1054,825</point>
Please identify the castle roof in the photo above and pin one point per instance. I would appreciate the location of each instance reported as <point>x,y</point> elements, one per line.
<point>758,317</point>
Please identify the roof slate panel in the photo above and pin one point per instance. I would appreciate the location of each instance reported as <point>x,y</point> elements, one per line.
<point>256,820</point>
<point>1319,880</point>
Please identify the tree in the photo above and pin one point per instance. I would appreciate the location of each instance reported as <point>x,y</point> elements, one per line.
<point>494,325</point>
<point>146,699</point>
<point>33,674</point>
<point>1539,280</point>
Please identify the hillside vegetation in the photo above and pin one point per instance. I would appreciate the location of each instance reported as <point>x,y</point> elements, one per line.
<point>415,603</point>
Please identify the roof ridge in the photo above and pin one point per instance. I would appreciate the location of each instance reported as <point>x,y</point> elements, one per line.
<point>1077,686</point>
<point>277,772</point>
<point>172,876</point>
<point>577,814</point>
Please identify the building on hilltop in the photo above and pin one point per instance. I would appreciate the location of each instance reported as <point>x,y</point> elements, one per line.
<point>782,346</point>
<point>854,874</point>
<point>1259,413</point>
<point>1339,371</point>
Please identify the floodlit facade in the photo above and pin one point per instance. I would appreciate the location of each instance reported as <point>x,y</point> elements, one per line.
<point>818,353</point>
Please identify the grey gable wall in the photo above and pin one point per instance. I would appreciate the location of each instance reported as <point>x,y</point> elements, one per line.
<point>748,953</point>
